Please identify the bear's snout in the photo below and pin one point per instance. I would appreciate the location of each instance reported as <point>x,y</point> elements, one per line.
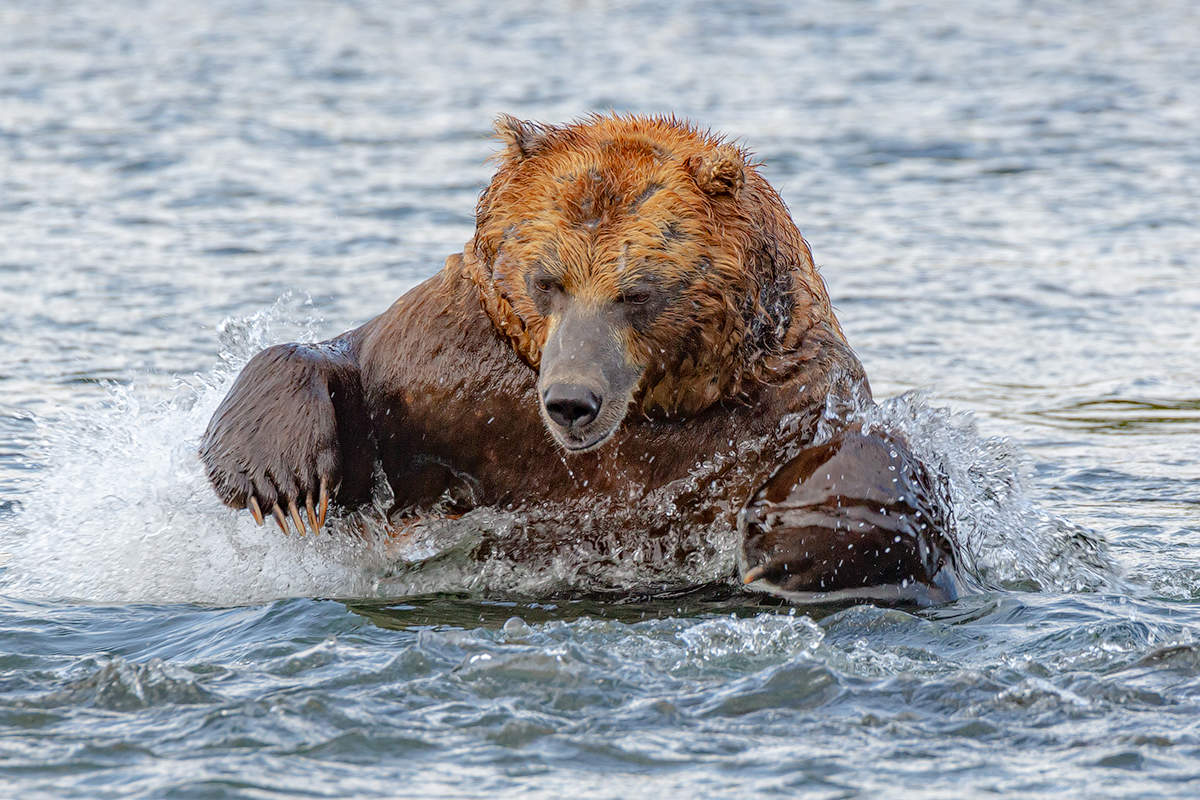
<point>571,404</point>
<point>585,379</point>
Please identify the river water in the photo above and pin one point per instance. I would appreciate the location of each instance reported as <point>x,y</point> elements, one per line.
<point>1004,200</point>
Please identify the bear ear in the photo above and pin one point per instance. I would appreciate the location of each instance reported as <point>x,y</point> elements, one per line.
<point>521,138</point>
<point>721,171</point>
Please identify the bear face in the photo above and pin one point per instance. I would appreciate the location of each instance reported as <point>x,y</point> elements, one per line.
<point>639,262</point>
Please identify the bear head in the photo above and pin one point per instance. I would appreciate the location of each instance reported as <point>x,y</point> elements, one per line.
<point>640,262</point>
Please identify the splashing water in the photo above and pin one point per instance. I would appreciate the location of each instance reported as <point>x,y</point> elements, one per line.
<point>1006,540</point>
<point>121,511</point>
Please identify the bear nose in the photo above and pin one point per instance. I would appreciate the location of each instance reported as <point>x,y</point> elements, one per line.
<point>570,404</point>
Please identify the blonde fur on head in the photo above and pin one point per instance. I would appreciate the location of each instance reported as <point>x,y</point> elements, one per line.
<point>613,199</point>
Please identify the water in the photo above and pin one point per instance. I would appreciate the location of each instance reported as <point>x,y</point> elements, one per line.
<point>1004,200</point>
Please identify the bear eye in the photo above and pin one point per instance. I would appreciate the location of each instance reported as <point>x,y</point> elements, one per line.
<point>635,297</point>
<point>544,285</point>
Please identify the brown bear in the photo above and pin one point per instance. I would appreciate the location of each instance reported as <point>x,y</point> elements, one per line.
<point>636,335</point>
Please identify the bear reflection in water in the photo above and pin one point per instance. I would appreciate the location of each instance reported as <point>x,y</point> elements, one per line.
<point>636,325</point>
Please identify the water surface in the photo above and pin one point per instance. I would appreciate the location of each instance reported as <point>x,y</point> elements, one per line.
<point>1003,198</point>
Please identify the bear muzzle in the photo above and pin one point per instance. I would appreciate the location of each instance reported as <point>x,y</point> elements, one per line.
<point>585,380</point>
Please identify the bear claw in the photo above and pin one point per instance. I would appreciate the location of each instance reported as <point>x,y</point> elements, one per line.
<point>255,511</point>
<point>312,515</point>
<point>295,512</point>
<point>754,573</point>
<point>324,504</point>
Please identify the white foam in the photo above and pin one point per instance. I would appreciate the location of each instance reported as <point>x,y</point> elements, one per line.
<point>122,511</point>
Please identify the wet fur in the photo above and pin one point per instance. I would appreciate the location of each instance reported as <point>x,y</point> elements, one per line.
<point>444,395</point>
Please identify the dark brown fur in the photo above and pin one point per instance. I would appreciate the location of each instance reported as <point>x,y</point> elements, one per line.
<point>466,405</point>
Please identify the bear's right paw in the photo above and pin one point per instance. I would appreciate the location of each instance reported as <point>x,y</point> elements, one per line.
<point>273,444</point>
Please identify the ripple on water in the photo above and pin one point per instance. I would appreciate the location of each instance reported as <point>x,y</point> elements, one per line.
<point>118,685</point>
